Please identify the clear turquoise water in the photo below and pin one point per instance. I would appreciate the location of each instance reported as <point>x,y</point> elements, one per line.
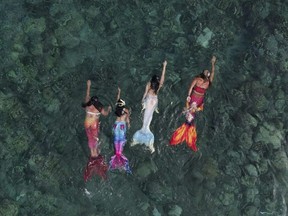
<point>50,48</point>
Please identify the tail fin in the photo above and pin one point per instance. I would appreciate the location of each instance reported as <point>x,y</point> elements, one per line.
<point>186,133</point>
<point>95,166</point>
<point>119,161</point>
<point>191,137</point>
<point>143,136</point>
<point>179,135</point>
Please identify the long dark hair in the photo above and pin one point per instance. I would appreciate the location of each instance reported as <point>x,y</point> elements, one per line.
<point>202,75</point>
<point>95,102</point>
<point>120,108</point>
<point>205,78</point>
<point>155,83</point>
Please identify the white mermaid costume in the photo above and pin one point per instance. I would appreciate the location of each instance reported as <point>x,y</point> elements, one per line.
<point>144,135</point>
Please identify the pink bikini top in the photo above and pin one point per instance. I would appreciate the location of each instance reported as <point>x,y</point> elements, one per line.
<point>199,90</point>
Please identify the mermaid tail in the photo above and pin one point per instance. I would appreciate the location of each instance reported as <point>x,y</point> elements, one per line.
<point>144,136</point>
<point>95,166</point>
<point>186,132</point>
<point>119,161</point>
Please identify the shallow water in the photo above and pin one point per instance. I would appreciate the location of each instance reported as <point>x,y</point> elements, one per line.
<point>49,49</point>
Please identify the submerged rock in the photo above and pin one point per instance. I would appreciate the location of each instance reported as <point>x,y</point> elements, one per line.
<point>251,170</point>
<point>254,156</point>
<point>257,95</point>
<point>227,198</point>
<point>269,135</point>
<point>250,194</point>
<point>263,166</point>
<point>280,160</point>
<point>205,37</point>
<point>159,192</point>
<point>34,26</point>
<point>8,208</point>
<point>145,169</point>
<point>175,211</point>
<point>210,169</point>
<point>155,212</point>
<point>245,140</point>
<point>250,210</point>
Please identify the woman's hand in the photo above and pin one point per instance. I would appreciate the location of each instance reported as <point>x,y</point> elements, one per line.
<point>213,60</point>
<point>164,63</point>
<point>188,99</point>
<point>88,83</point>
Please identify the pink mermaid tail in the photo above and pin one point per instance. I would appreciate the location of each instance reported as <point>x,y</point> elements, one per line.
<point>119,161</point>
<point>96,166</point>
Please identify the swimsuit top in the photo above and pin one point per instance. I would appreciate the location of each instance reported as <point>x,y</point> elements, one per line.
<point>199,90</point>
<point>92,113</point>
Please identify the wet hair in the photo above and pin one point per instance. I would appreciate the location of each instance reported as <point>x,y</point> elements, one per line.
<point>202,75</point>
<point>155,83</point>
<point>95,102</point>
<point>120,108</point>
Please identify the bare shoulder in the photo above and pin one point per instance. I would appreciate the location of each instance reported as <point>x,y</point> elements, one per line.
<point>126,110</point>
<point>197,80</point>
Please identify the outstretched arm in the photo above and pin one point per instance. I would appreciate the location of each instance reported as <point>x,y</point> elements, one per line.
<point>118,95</point>
<point>163,75</point>
<point>128,117</point>
<point>213,60</point>
<point>87,97</point>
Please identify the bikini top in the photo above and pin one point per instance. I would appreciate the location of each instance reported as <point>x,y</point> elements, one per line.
<point>199,90</point>
<point>93,113</point>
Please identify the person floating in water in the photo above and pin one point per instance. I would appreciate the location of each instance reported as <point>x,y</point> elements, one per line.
<point>94,109</point>
<point>194,103</point>
<point>119,161</point>
<point>150,102</point>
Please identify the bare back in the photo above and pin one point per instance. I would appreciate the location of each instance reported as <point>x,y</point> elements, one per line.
<point>124,117</point>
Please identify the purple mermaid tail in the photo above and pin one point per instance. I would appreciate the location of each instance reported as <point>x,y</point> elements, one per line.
<point>119,161</point>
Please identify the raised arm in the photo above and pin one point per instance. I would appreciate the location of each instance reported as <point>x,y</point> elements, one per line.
<point>87,97</point>
<point>118,95</point>
<point>213,60</point>
<point>162,75</point>
<point>128,117</point>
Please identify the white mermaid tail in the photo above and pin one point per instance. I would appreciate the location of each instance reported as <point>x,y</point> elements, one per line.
<point>144,135</point>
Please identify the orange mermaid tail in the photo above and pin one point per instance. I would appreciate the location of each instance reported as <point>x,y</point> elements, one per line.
<point>186,132</point>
